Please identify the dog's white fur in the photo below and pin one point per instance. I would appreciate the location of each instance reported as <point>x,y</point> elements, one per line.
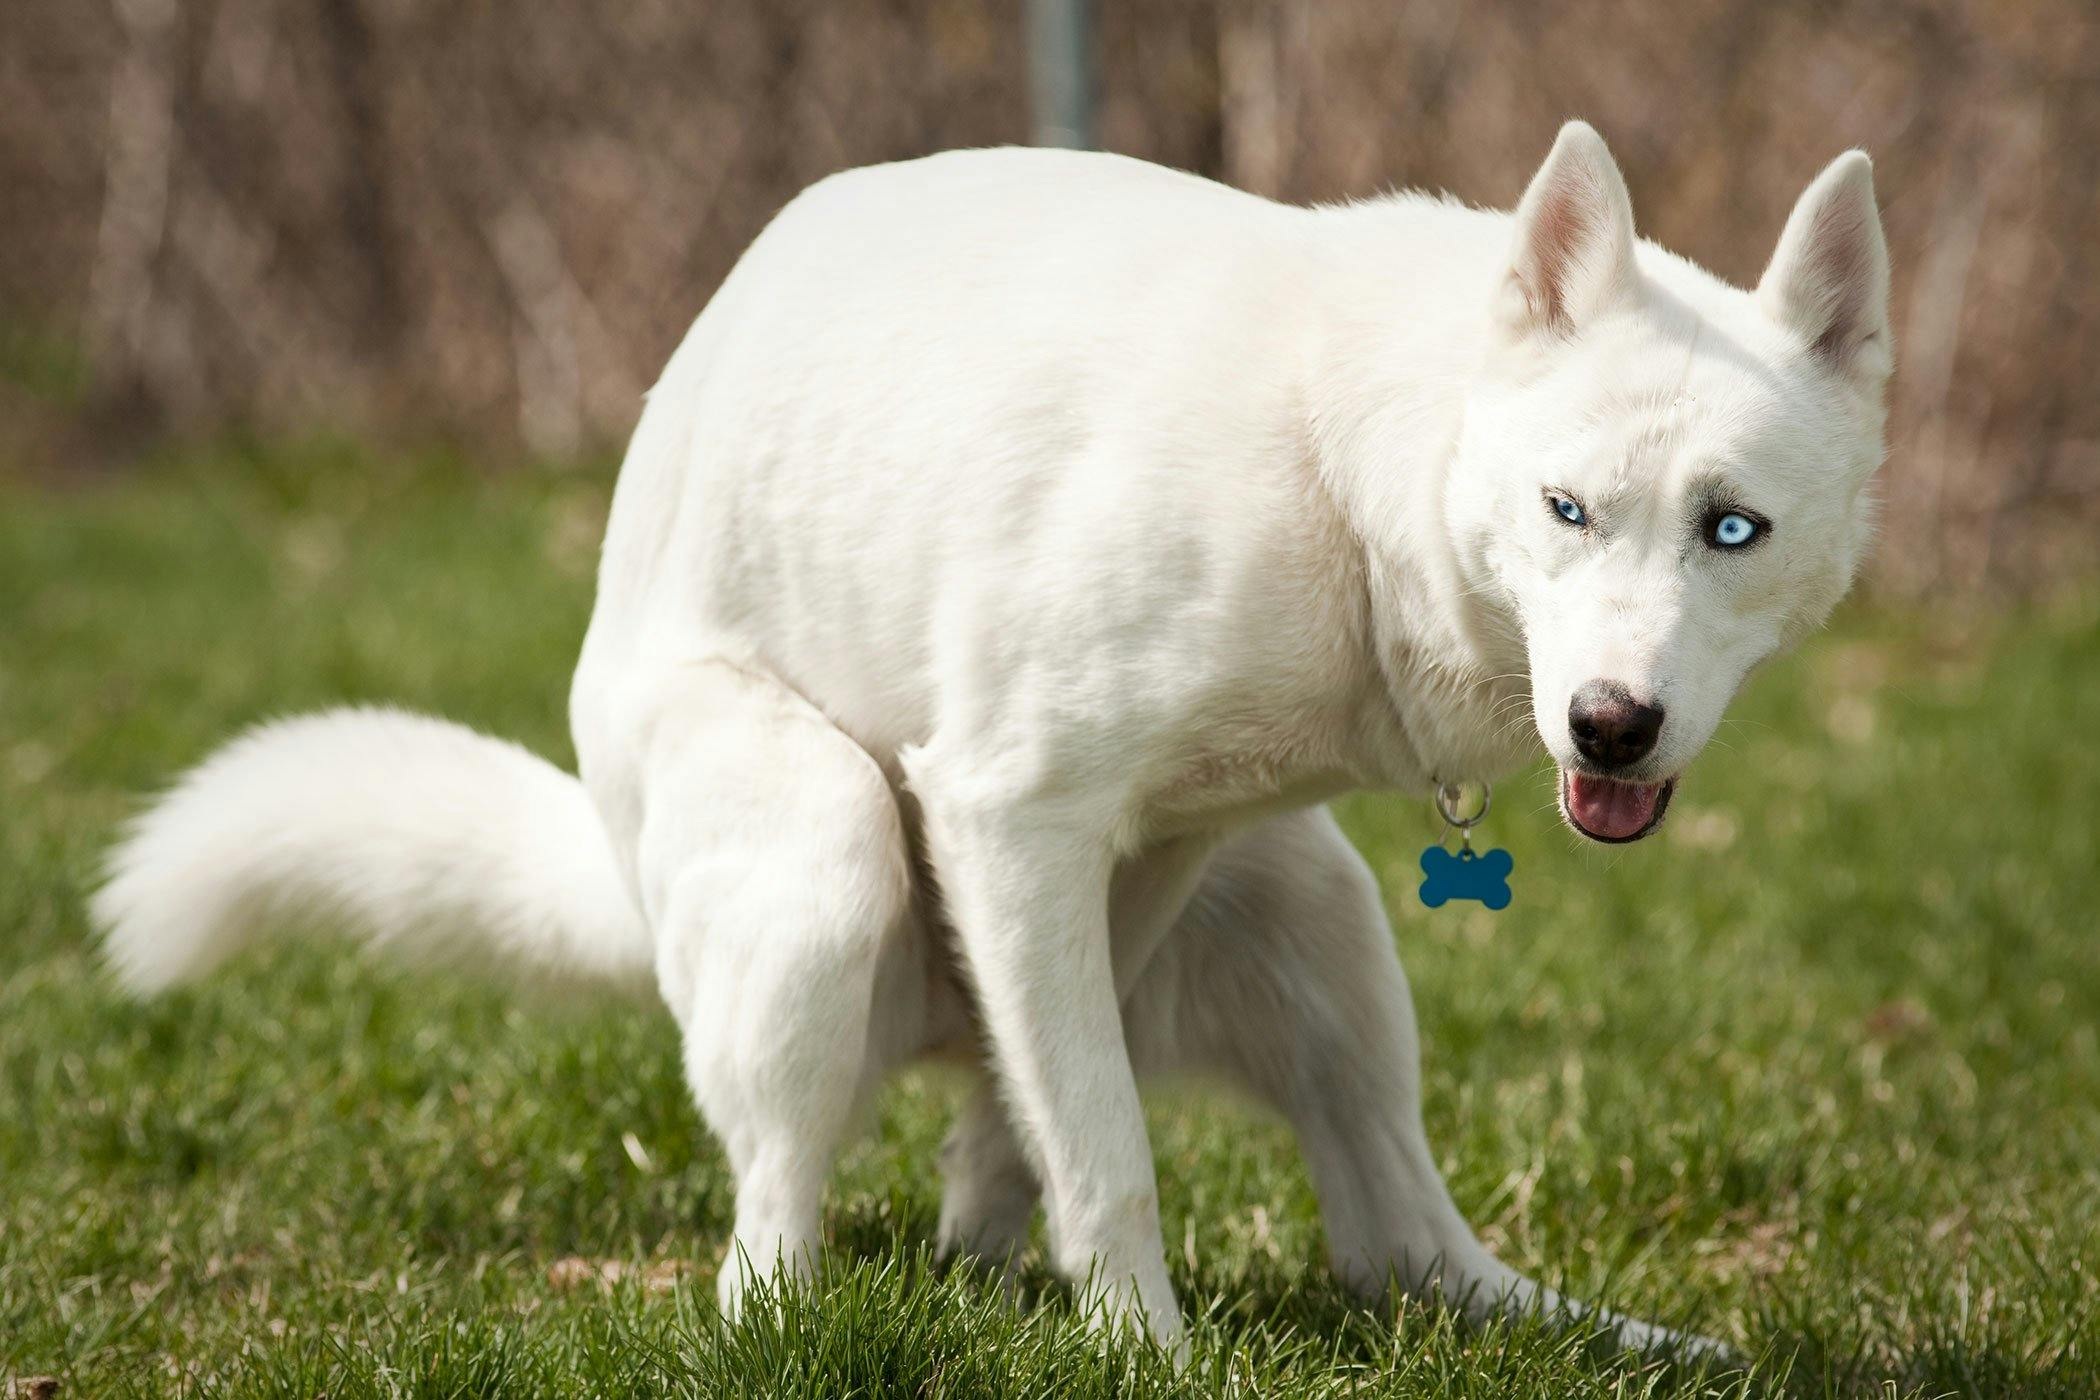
<point>1017,551</point>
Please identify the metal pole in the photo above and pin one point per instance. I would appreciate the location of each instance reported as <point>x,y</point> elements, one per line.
<point>1061,72</point>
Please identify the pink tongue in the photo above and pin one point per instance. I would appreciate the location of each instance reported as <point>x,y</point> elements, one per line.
<point>1610,809</point>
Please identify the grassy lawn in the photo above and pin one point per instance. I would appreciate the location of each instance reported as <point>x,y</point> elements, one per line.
<point>1816,1070</point>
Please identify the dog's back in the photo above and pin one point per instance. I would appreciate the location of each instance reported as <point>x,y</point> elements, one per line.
<point>1002,379</point>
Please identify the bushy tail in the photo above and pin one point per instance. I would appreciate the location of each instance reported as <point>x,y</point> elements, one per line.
<point>408,833</point>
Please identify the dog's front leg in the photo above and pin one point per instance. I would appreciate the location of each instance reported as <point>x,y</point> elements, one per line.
<point>991,1189</point>
<point>1026,886</point>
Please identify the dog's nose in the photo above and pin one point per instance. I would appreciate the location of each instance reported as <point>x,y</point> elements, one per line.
<point>1611,729</point>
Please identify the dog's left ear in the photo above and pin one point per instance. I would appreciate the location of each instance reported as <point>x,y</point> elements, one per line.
<point>1829,277</point>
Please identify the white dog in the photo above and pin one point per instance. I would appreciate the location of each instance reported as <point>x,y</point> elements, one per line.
<point>1020,548</point>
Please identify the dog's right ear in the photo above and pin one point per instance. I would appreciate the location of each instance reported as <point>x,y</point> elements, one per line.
<point>1574,247</point>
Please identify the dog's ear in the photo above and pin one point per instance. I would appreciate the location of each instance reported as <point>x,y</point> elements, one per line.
<point>1829,278</point>
<point>1574,248</point>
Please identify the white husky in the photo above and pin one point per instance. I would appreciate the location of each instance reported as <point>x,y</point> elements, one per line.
<point>1019,549</point>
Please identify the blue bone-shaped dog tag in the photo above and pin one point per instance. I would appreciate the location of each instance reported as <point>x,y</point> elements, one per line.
<point>1464,875</point>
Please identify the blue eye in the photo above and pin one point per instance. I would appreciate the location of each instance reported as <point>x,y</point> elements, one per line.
<point>1733,530</point>
<point>1568,510</point>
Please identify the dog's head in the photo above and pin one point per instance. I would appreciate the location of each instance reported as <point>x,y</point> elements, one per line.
<point>1663,478</point>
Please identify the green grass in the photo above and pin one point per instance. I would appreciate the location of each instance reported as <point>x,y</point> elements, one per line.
<point>1816,1070</point>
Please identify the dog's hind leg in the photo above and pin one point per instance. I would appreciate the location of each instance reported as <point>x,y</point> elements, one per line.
<point>1282,976</point>
<point>773,868</point>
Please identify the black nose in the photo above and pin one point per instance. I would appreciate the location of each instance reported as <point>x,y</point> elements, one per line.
<point>1612,729</point>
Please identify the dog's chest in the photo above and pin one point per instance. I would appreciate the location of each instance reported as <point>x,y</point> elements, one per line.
<point>1231,774</point>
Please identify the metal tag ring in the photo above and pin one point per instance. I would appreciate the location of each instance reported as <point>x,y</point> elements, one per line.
<point>1449,795</point>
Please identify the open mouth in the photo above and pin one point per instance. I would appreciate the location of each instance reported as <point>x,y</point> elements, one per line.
<point>1606,809</point>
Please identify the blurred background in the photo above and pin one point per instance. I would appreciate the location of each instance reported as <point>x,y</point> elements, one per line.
<point>487,224</point>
